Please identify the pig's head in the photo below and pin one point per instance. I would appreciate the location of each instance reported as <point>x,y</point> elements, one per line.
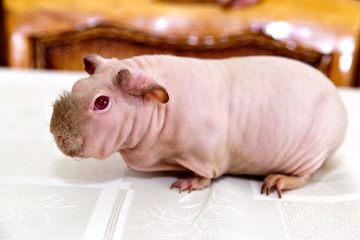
<point>96,117</point>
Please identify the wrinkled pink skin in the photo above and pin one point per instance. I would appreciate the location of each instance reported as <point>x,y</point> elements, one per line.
<point>251,115</point>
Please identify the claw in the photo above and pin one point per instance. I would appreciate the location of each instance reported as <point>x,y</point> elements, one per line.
<point>283,182</point>
<point>191,183</point>
<point>174,185</point>
<point>270,182</point>
<point>263,187</point>
<point>279,192</point>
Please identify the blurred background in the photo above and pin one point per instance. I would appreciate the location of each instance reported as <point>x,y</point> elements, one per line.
<point>56,34</point>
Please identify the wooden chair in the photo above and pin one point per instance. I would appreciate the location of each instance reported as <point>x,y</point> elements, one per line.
<point>57,34</point>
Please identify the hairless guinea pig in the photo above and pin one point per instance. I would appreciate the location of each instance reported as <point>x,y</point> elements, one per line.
<point>264,116</point>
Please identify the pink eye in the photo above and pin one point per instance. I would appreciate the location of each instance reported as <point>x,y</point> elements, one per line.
<point>101,103</point>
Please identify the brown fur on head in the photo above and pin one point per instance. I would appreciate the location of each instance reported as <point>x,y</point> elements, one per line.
<point>64,125</point>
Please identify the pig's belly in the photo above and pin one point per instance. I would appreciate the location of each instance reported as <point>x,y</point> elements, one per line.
<point>294,141</point>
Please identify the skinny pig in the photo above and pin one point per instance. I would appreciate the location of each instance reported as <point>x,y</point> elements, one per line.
<point>264,116</point>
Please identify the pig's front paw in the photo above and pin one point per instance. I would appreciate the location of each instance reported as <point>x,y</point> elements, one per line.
<point>283,182</point>
<point>191,183</point>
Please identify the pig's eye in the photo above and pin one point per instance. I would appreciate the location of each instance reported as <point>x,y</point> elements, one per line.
<point>101,103</point>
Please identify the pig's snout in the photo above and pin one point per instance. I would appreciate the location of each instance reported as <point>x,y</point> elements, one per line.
<point>70,145</point>
<point>65,125</point>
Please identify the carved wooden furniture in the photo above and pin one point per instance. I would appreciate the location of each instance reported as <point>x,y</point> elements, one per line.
<point>57,34</point>
<point>2,36</point>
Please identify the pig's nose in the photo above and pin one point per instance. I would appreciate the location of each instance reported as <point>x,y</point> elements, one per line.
<point>70,145</point>
<point>58,138</point>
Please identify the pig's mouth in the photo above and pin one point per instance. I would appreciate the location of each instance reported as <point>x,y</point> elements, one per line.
<point>71,146</point>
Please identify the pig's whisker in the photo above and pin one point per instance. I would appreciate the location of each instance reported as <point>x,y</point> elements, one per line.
<point>78,159</point>
<point>119,100</point>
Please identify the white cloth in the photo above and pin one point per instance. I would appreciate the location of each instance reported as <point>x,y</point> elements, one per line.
<point>45,195</point>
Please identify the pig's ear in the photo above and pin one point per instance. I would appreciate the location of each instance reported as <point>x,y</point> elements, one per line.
<point>142,86</point>
<point>91,62</point>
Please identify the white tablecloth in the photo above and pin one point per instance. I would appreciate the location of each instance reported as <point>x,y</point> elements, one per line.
<point>47,196</point>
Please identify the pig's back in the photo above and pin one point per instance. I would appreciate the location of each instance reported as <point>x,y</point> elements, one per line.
<point>285,116</point>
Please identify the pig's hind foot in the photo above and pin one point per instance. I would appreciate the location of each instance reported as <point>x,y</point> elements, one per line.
<point>283,182</point>
<point>191,183</point>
